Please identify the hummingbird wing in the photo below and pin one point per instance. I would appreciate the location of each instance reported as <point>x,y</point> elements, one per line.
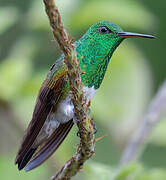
<point>48,97</point>
<point>50,146</point>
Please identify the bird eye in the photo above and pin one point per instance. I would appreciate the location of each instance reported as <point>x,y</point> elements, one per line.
<point>104,30</point>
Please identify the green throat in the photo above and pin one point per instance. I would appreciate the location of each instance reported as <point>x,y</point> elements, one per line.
<point>94,53</point>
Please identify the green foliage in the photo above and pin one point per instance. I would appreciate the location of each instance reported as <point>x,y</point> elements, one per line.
<point>135,171</point>
<point>129,172</point>
<point>9,20</point>
<point>132,171</point>
<point>9,171</point>
<point>113,11</point>
<point>97,170</point>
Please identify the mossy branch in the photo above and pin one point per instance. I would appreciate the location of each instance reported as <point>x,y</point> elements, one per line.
<point>85,123</point>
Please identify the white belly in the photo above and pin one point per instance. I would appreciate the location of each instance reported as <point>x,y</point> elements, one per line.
<point>64,113</point>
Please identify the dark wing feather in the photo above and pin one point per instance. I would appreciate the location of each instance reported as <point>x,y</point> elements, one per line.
<point>46,99</point>
<point>50,146</point>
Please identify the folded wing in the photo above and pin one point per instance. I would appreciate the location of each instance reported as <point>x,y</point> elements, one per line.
<point>47,98</point>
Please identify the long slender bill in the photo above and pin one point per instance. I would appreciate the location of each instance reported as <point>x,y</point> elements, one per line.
<point>133,35</point>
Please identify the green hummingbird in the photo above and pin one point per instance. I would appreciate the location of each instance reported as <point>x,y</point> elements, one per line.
<point>53,115</point>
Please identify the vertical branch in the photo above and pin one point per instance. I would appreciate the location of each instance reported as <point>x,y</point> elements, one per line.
<point>149,122</point>
<point>85,124</point>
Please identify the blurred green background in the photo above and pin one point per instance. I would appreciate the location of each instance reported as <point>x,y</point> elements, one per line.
<point>138,67</point>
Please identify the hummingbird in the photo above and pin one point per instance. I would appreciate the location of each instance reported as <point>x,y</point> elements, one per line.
<point>53,115</point>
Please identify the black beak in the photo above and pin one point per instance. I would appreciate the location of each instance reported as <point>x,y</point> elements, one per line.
<point>133,35</point>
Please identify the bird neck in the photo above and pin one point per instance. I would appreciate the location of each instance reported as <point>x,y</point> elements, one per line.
<point>93,58</point>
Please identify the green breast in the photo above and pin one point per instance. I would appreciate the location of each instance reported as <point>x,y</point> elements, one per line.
<point>94,57</point>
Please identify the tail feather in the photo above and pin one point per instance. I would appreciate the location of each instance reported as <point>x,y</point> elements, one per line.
<point>50,146</point>
<point>26,158</point>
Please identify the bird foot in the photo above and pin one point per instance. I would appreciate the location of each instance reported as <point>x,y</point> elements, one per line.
<point>95,128</point>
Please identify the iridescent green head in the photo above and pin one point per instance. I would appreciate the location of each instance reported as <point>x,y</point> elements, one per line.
<point>96,47</point>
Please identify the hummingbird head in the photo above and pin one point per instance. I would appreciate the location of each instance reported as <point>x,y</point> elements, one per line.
<point>96,47</point>
<point>108,33</point>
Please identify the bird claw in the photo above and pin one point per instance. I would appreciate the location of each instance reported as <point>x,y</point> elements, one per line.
<point>95,128</point>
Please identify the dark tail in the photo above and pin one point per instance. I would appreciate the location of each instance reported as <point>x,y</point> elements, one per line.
<point>29,162</point>
<point>50,146</point>
<point>26,158</point>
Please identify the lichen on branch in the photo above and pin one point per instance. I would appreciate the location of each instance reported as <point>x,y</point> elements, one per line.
<point>85,123</point>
